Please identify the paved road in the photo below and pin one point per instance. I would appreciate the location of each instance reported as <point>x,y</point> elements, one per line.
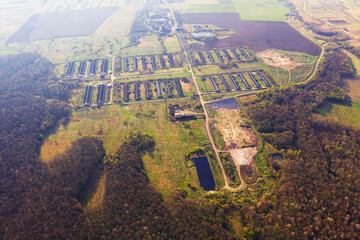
<point>112,79</point>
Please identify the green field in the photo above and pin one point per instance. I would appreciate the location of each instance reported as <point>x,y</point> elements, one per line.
<point>264,10</point>
<point>165,166</point>
<point>148,45</point>
<point>346,114</point>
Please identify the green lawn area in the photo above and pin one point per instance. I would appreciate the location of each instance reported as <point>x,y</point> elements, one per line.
<point>347,114</point>
<point>165,166</point>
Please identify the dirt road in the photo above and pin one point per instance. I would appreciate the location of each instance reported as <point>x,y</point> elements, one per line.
<point>243,184</point>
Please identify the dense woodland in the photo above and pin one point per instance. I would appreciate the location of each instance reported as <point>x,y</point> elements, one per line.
<point>317,193</point>
<point>41,201</point>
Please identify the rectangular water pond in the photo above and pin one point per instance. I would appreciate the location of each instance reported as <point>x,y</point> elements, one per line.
<point>203,170</point>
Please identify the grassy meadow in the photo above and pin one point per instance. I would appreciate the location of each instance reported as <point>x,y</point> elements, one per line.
<point>165,165</point>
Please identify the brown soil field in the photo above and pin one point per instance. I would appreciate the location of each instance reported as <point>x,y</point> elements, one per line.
<point>257,35</point>
<point>351,85</point>
<point>70,23</point>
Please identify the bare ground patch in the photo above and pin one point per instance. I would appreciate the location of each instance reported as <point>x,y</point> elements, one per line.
<point>275,59</point>
<point>229,124</point>
<point>243,156</point>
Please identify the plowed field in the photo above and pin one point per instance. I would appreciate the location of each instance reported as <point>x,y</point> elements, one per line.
<point>257,35</point>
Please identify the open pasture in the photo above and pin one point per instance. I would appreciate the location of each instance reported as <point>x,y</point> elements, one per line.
<point>257,35</point>
<point>165,165</point>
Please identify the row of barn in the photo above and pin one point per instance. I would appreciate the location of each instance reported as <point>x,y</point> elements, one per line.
<point>234,82</point>
<point>100,97</point>
<point>237,54</point>
<point>153,62</point>
<point>161,88</point>
<point>83,65</point>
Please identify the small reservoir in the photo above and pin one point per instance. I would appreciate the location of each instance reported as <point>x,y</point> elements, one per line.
<point>229,103</point>
<point>204,173</point>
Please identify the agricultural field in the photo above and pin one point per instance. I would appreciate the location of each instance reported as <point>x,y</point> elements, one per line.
<point>256,35</point>
<point>15,14</point>
<point>165,166</point>
<point>348,114</point>
<point>270,10</point>
<point>351,84</point>
<point>62,24</point>
<point>107,40</point>
<point>344,14</point>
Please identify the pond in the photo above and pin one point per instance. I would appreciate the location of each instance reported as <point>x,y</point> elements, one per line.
<point>203,170</point>
<point>226,103</point>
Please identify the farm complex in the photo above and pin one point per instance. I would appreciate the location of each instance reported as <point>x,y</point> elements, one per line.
<point>182,57</point>
<point>177,56</point>
<point>180,119</point>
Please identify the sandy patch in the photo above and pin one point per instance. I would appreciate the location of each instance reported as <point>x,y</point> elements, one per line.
<point>243,156</point>
<point>275,59</point>
<point>229,123</point>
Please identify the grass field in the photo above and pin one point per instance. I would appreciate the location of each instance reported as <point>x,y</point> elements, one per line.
<point>171,44</point>
<point>148,45</point>
<point>265,10</point>
<point>347,114</point>
<point>165,166</point>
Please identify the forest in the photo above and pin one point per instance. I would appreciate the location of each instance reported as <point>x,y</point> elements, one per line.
<point>41,201</point>
<point>317,189</point>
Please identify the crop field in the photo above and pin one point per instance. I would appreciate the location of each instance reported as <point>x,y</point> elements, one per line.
<point>348,114</point>
<point>351,84</point>
<point>165,165</point>
<point>102,43</point>
<point>344,14</point>
<point>62,24</point>
<point>14,13</point>
<point>269,10</point>
<point>257,35</point>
